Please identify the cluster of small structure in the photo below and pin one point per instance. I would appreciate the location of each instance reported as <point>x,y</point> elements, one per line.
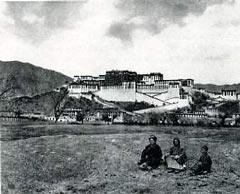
<point>221,96</point>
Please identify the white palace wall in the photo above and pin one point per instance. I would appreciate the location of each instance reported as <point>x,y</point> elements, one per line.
<point>128,92</point>
<point>117,93</point>
<point>150,100</point>
<point>151,89</point>
<point>79,90</point>
<point>173,92</point>
<point>120,93</point>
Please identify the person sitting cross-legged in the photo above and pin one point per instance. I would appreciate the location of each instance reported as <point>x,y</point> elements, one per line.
<point>177,158</point>
<point>204,164</point>
<point>151,155</point>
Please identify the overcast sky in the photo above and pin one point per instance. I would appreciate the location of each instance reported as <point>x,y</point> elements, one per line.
<point>197,39</point>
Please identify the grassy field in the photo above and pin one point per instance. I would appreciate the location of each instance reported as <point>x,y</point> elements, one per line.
<point>64,159</point>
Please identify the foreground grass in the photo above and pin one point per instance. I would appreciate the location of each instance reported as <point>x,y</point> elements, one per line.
<point>102,159</point>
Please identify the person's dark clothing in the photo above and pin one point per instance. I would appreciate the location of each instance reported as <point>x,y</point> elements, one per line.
<point>152,155</point>
<point>204,165</point>
<point>177,150</point>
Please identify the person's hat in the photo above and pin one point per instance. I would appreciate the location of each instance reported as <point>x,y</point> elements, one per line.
<point>153,137</point>
<point>205,147</point>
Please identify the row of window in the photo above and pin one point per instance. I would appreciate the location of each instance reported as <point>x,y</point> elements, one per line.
<point>193,115</point>
<point>152,77</point>
<point>152,87</point>
<point>83,87</point>
<point>116,87</point>
<point>229,93</point>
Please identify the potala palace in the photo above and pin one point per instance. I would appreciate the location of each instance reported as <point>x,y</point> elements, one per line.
<point>128,86</point>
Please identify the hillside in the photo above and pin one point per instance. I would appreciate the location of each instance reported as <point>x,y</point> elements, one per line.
<point>218,88</point>
<point>25,79</point>
<point>44,103</point>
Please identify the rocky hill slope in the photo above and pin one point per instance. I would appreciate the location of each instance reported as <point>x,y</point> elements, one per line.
<point>24,79</point>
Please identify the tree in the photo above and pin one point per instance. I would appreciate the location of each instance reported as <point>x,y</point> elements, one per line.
<point>227,109</point>
<point>153,118</point>
<point>106,118</point>
<point>199,101</point>
<point>237,120</point>
<point>60,101</point>
<point>133,106</point>
<point>222,116</point>
<point>114,117</point>
<point>80,117</point>
<point>173,118</point>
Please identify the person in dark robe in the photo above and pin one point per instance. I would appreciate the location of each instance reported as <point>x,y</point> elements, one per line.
<point>151,155</point>
<point>177,152</point>
<point>177,158</point>
<point>204,163</point>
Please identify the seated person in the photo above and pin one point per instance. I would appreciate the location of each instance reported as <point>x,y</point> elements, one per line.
<point>177,158</point>
<point>151,155</point>
<point>204,163</point>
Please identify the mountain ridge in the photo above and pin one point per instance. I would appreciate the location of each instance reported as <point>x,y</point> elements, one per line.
<point>26,79</point>
<point>218,88</point>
